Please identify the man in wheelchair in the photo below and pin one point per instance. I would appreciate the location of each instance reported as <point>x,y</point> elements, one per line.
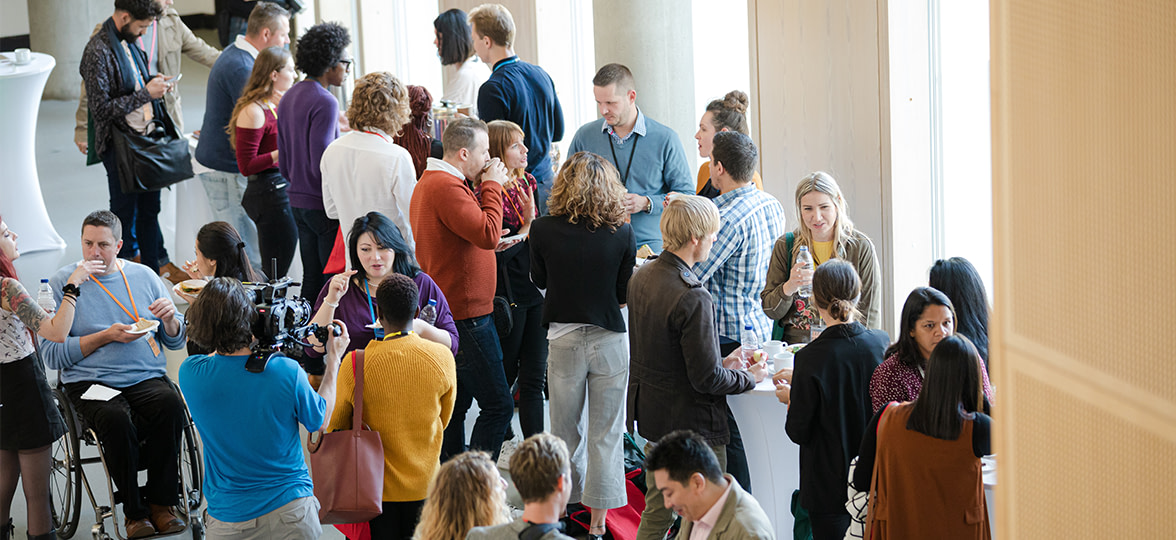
<point>123,317</point>
<point>256,479</point>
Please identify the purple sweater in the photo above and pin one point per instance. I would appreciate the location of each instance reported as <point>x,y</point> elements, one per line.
<point>353,311</point>
<point>308,121</point>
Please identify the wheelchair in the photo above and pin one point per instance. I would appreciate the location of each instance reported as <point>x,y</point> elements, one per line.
<point>68,477</point>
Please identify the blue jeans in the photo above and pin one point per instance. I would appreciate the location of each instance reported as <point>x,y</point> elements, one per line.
<point>224,191</point>
<point>139,214</point>
<point>479,376</point>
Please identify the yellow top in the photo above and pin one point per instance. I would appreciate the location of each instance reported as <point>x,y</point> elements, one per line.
<point>704,175</point>
<point>822,251</point>
<point>409,386</point>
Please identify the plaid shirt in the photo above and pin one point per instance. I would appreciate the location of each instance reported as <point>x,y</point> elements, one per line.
<point>750,222</point>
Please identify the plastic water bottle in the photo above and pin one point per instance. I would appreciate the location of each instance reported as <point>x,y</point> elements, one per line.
<point>45,297</point>
<point>806,258</point>
<point>429,312</point>
<point>749,342</point>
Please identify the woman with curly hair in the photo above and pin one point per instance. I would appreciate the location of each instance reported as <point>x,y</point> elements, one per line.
<point>583,254</point>
<point>253,134</point>
<point>364,171</point>
<point>462,73</point>
<point>467,492</point>
<point>308,121</point>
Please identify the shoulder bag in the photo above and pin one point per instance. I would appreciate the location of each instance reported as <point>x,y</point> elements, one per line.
<point>348,466</point>
<point>151,161</point>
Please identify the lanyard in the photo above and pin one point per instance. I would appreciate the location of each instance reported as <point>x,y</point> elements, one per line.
<point>624,179</point>
<point>135,317</point>
<point>272,108</point>
<point>151,51</point>
<point>395,335</point>
<point>376,134</point>
<point>378,331</point>
<point>505,63</point>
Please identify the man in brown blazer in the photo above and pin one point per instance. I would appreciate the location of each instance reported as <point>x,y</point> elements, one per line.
<point>712,504</point>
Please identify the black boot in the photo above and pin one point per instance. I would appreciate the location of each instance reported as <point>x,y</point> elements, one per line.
<point>7,531</point>
<point>51,535</point>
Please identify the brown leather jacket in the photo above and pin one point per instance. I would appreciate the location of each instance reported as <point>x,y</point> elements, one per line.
<point>676,376</point>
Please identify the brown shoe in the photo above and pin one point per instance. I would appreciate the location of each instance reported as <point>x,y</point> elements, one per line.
<point>138,528</point>
<point>165,519</point>
<point>172,273</point>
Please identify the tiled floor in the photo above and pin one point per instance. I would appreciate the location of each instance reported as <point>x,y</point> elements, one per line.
<point>72,190</point>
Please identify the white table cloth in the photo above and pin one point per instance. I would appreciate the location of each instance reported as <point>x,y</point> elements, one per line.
<point>773,458</point>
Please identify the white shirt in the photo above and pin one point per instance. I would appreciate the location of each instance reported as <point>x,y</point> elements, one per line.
<point>365,172</point>
<point>461,84</point>
<point>703,527</point>
<point>244,45</point>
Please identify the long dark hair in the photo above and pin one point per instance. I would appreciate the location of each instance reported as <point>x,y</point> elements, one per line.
<point>388,236</point>
<point>960,281</point>
<point>952,390</point>
<point>454,30</point>
<point>220,242</point>
<point>906,347</point>
<point>221,318</point>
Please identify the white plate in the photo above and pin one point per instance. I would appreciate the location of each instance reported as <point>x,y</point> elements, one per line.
<point>150,328</point>
<point>189,282</point>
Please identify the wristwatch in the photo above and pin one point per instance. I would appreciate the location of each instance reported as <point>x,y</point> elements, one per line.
<point>648,205</point>
<point>71,289</point>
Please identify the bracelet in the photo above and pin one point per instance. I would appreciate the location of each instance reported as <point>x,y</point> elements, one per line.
<point>334,305</point>
<point>70,288</point>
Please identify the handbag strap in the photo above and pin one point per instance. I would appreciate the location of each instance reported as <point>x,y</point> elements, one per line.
<point>357,370</point>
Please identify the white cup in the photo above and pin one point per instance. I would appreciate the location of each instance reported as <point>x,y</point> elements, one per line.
<point>783,360</point>
<point>774,347</point>
<point>22,56</point>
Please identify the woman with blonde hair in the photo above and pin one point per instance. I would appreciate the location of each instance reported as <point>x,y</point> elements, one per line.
<point>826,231</point>
<point>467,492</point>
<point>364,170</point>
<point>524,349</point>
<point>727,114</point>
<point>253,134</point>
<point>583,253</point>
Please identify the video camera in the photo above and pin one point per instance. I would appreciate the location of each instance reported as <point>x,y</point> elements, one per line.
<point>282,325</point>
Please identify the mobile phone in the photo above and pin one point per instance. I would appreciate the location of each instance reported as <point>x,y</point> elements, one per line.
<point>176,79</point>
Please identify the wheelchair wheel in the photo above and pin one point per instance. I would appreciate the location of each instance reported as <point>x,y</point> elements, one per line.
<point>191,469</point>
<point>65,482</point>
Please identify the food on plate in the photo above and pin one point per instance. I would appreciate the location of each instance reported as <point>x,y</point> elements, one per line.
<point>142,325</point>
<point>644,252</point>
<point>192,287</point>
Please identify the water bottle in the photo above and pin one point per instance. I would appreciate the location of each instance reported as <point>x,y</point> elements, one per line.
<point>429,312</point>
<point>45,297</point>
<point>806,258</point>
<point>749,342</point>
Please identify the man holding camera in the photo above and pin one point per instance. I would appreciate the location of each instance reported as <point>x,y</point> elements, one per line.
<point>257,482</point>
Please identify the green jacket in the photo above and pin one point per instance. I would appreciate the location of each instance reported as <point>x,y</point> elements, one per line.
<point>741,518</point>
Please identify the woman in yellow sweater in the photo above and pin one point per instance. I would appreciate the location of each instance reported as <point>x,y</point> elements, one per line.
<point>409,388</point>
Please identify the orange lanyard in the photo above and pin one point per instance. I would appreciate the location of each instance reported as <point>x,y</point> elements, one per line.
<point>135,317</point>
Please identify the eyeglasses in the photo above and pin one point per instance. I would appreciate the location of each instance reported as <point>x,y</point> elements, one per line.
<point>346,64</point>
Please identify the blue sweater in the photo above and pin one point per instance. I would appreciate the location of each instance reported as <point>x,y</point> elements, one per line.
<point>225,82</point>
<point>117,365</point>
<point>249,425</point>
<point>659,167</point>
<point>524,94</point>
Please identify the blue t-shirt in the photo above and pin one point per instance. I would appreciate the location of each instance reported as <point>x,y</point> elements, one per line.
<point>253,460</point>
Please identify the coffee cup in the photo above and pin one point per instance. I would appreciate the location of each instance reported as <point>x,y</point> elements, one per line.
<point>22,56</point>
<point>783,360</point>
<point>774,347</point>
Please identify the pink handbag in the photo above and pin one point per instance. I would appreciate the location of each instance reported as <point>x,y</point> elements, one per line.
<point>348,466</point>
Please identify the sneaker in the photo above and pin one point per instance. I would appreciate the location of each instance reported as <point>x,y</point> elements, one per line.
<point>508,449</point>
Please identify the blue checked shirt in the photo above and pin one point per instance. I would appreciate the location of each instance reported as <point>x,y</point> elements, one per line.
<point>750,221</point>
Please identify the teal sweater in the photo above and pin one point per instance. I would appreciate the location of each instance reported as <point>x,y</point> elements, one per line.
<point>117,365</point>
<point>659,167</point>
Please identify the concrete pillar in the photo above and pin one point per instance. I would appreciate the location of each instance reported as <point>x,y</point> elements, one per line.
<point>654,39</point>
<point>61,28</point>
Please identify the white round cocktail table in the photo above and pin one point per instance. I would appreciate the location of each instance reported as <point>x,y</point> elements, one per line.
<point>22,204</point>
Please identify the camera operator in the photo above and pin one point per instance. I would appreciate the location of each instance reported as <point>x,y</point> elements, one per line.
<point>257,482</point>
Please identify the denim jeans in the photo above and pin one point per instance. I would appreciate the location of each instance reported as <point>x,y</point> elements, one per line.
<point>480,377</point>
<point>225,191</point>
<point>588,371</point>
<point>266,203</point>
<point>524,358</point>
<point>139,214</point>
<point>316,238</point>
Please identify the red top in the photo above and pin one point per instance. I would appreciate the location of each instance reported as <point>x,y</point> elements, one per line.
<point>254,145</point>
<point>455,239</point>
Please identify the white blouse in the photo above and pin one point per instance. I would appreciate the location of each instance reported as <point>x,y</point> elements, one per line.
<point>462,81</point>
<point>15,343</point>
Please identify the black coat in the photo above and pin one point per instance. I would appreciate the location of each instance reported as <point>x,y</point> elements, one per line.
<point>830,407</point>
<point>676,377</point>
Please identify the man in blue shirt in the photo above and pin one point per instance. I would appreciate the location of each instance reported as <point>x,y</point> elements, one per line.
<point>269,26</point>
<point>107,350</point>
<point>256,479</point>
<point>647,154</point>
<point>517,91</point>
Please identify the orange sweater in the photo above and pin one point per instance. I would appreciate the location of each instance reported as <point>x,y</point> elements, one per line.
<point>704,175</point>
<point>409,386</point>
<point>455,239</point>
